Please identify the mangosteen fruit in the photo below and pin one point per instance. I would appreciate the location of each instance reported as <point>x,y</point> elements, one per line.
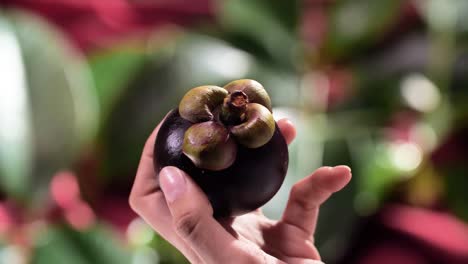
<point>226,139</point>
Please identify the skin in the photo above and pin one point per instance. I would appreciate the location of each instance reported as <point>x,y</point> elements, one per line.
<point>180,212</point>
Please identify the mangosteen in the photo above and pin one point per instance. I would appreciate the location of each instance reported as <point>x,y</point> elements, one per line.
<point>226,139</point>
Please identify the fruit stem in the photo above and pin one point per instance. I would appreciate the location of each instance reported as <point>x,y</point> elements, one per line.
<point>234,107</point>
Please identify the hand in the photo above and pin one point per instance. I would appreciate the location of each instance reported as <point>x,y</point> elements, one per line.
<point>180,212</point>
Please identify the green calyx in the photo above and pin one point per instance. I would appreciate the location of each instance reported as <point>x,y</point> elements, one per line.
<point>257,129</point>
<point>240,112</point>
<point>209,146</point>
<point>198,104</point>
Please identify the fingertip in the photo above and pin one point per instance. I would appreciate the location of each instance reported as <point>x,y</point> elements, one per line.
<point>324,170</point>
<point>342,168</point>
<point>173,179</point>
<point>287,129</point>
<point>168,171</point>
<point>332,178</point>
<point>173,183</point>
<point>342,176</point>
<point>344,171</point>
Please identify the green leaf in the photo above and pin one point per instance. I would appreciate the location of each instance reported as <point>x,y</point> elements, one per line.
<point>334,232</point>
<point>61,244</point>
<point>456,195</point>
<point>285,12</point>
<point>356,24</point>
<point>15,118</point>
<point>57,249</point>
<point>56,106</point>
<point>112,70</point>
<point>168,254</point>
<point>255,27</point>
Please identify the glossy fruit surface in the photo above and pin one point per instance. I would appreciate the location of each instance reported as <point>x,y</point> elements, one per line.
<point>247,176</point>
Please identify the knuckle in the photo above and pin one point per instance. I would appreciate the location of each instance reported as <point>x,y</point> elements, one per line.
<point>305,206</point>
<point>187,225</point>
<point>134,203</point>
<point>297,197</point>
<point>295,191</point>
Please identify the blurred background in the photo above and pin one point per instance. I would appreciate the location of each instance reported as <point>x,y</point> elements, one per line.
<point>378,85</point>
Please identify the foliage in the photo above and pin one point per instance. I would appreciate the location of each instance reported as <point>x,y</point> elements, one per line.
<point>363,92</point>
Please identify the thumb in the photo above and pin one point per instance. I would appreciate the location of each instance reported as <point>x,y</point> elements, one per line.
<point>192,216</point>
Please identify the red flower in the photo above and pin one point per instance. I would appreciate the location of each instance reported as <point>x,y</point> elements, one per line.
<point>96,23</point>
<point>410,235</point>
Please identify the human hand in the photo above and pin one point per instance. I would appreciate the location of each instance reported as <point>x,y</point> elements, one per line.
<point>181,213</point>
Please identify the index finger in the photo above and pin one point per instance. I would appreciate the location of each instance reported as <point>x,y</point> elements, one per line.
<point>145,182</point>
<point>308,194</point>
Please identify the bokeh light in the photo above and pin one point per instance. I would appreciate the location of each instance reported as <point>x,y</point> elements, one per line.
<point>405,156</point>
<point>139,233</point>
<point>80,216</point>
<point>420,93</point>
<point>64,189</point>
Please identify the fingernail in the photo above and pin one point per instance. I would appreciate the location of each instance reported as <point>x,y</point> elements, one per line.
<point>343,167</point>
<point>172,183</point>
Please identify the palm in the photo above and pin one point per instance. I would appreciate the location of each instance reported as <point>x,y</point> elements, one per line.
<point>277,238</point>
